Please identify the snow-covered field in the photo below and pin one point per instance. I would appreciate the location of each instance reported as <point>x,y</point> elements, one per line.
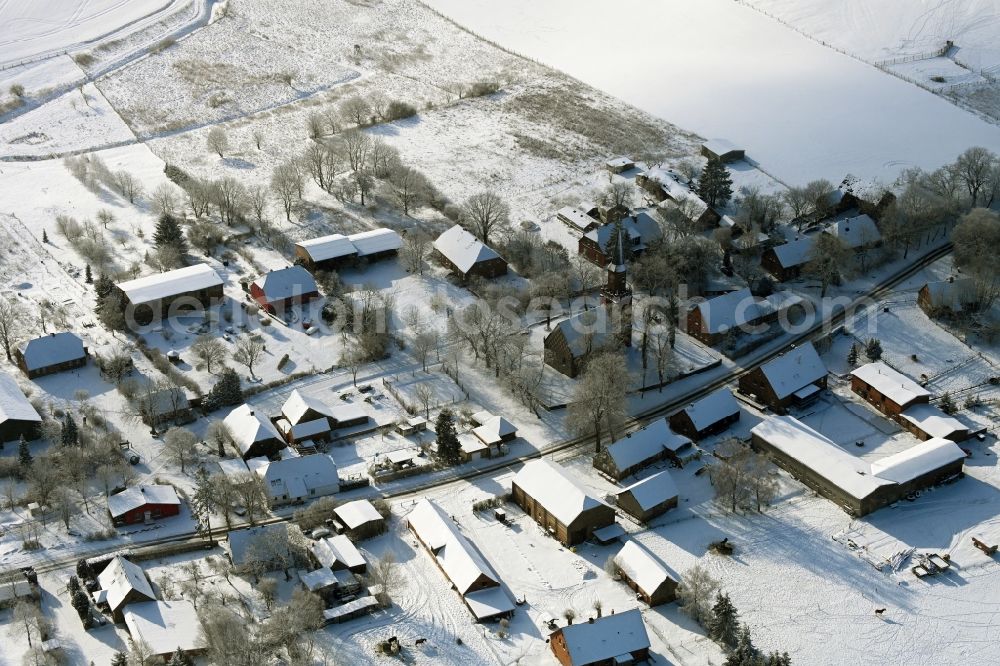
<point>724,70</point>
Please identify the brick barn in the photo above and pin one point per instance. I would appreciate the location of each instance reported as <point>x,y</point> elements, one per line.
<point>793,379</point>
<point>605,641</point>
<point>277,290</point>
<point>558,503</point>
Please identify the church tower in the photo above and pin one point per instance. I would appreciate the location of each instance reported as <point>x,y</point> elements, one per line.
<point>616,294</point>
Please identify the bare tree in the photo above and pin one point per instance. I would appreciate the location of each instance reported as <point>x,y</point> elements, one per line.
<point>248,351</point>
<point>181,447</point>
<point>128,185</point>
<point>730,473</point>
<point>199,196</point>
<point>217,141</point>
<point>827,258</point>
<point>209,350</point>
<point>356,110</point>
<point>486,214</point>
<point>286,183</point>
<point>27,622</point>
<point>424,396</point>
<point>974,168</point>
<point>258,138</point>
<point>424,343</point>
<point>257,202</point>
<point>249,489</point>
<point>408,187</point>
<point>619,195</point>
<point>107,475</point>
<point>64,504</point>
<point>267,588</point>
<point>379,103</point>
<point>598,402</point>
<point>416,248</point>
<point>322,163</point>
<point>316,126</point>
<point>384,572</point>
<point>165,199</point>
<point>696,593</point>
<point>14,324</point>
<point>356,145</point>
<point>382,158</point>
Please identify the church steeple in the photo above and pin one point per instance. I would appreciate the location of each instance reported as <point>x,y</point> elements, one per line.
<point>616,294</point>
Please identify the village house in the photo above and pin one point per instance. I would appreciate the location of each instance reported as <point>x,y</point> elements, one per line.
<point>52,353</point>
<point>645,574</point>
<point>121,583</point>
<point>165,294</point>
<point>707,416</point>
<point>304,418</point>
<point>858,233</point>
<point>785,261</point>
<point>275,291</point>
<point>659,182</point>
<point>619,164</point>
<point>267,545</point>
<point>465,255</point>
<point>17,417</point>
<point>558,503</point>
<point>578,219</point>
<point>294,480</point>
<point>793,379</point>
<point>887,390</point>
<point>949,297</point>
<point>142,504</point>
<point>927,421</point>
<point>336,250</point>
<point>165,627</point>
<point>361,520</point>
<point>857,486</point>
<point>252,433</point>
<point>337,553</point>
<point>648,445</point>
<point>648,498</point>
<point>571,341</point>
<point>723,150</point>
<point>609,640</point>
<point>495,430</point>
<point>711,320</point>
<point>460,561</point>
<point>641,230</point>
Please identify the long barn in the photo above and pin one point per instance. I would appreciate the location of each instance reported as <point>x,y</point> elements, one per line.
<point>558,503</point>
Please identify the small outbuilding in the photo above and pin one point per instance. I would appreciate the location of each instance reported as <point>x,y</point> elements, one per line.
<point>707,416</point>
<point>951,296</point>
<point>723,150</point>
<point>252,433</point>
<point>464,254</point>
<point>577,219</point>
<point>337,553</point>
<point>887,390</point>
<point>619,164</point>
<point>929,422</point>
<point>17,417</point>
<point>277,290</point>
<point>143,504</point>
<point>785,261</point>
<point>645,574</point>
<point>636,450</point>
<point>52,353</point>
<point>360,519</point>
<point>649,498</point>
<point>376,244</point>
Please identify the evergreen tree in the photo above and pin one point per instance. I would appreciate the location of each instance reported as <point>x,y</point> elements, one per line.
<point>45,236</point>
<point>873,349</point>
<point>24,454</point>
<point>614,249</point>
<point>179,659</point>
<point>73,585</point>
<point>70,433</point>
<point>715,187</point>
<point>83,570</point>
<point>88,277</point>
<point>169,234</point>
<point>947,404</point>
<point>120,659</point>
<point>226,391</point>
<point>852,356</point>
<point>103,286</point>
<point>81,603</point>
<point>744,654</point>
<point>448,446</point>
<point>724,625</point>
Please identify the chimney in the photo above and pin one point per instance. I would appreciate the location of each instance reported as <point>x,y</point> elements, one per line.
<point>590,620</point>
<point>251,412</point>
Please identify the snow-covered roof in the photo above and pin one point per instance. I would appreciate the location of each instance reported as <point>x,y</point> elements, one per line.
<point>711,409</point>
<point>819,454</point>
<point>262,541</point>
<point>794,370</point>
<point>471,445</point>
<point>138,496</point>
<point>645,443</point>
<point>892,384</point>
<point>728,311</point>
<point>794,253</point>
<point>295,477</point>
<point>918,460</point>
<point>351,607</point>
<point>585,331</point>
<point>463,249</point>
<point>233,466</point>
<point>286,283</point>
<point>953,294</point>
<point>318,580</point>
<point>642,229</point>
<point>652,491</point>
<point>329,247</point>
<point>642,567</point>
<point>120,578</point>
<point>14,406</point>
<point>297,405</point>
<point>931,420</point>
<point>247,427</point>
<point>578,218</point>
<point>489,602</point>
<point>552,487</point>
<point>856,231</point>
<point>304,430</point>
<point>337,549</point>
<point>375,241</point>
<point>481,417</point>
<point>357,513</point>
<point>494,430</point>
<point>606,637</point>
<point>52,349</point>
<point>619,162</point>
<point>346,412</point>
<point>402,455</point>
<point>720,146</point>
<point>779,301</point>
<point>163,285</point>
<point>165,626</point>
<point>456,555</point>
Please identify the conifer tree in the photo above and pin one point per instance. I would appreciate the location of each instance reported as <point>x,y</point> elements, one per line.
<point>169,234</point>
<point>715,187</point>
<point>120,659</point>
<point>24,454</point>
<point>873,349</point>
<point>179,659</point>
<point>70,433</point>
<point>447,440</point>
<point>45,236</point>
<point>947,404</point>
<point>744,654</point>
<point>83,570</point>
<point>81,603</point>
<point>852,356</point>
<point>225,392</point>
<point>88,277</point>
<point>724,625</point>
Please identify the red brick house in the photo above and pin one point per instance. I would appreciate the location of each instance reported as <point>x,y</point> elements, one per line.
<point>603,641</point>
<point>793,379</point>
<point>141,504</point>
<point>887,390</point>
<point>279,289</point>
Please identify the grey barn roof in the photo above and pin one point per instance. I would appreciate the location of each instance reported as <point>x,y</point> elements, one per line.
<point>52,349</point>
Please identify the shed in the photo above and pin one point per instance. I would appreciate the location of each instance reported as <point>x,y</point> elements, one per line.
<point>350,610</point>
<point>495,430</point>
<point>276,290</point>
<point>338,553</point>
<point>577,219</point>
<point>52,353</point>
<point>326,252</point>
<point>646,574</point>
<point>467,256</point>
<point>707,416</point>
<point>650,497</point>
<point>619,164</point>
<point>165,294</point>
<point>376,243</point>
<point>361,519</point>
<point>722,149</point>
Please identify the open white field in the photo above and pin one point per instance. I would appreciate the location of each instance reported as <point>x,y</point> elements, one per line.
<point>801,110</point>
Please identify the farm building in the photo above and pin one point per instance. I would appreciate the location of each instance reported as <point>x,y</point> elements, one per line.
<point>269,544</point>
<point>360,519</point>
<point>645,574</point>
<point>619,164</point>
<point>640,228</point>
<point>166,294</point>
<point>352,609</point>
<point>333,251</point>
<point>277,290</point>
<point>795,378</point>
<point>464,254</point>
<point>50,354</point>
<point>649,498</point>
<point>305,417</point>
<point>321,581</point>
<point>572,340</point>
<point>889,391</point>
<point>858,233</point>
<point>337,553</point>
<point>297,479</point>
<point>785,261</point>
<point>723,150</point>
<point>376,244</point>
<point>707,416</point>
<point>120,584</point>
<point>639,449</point>
<point>709,321</point>
<point>459,559</point>
<point>948,296</point>
<point>607,641</point>
<point>165,627</point>
<point>495,430</point>
<point>17,417</point>
<point>576,218</point>
<point>252,433</point>
<point>852,483</point>
<point>141,504</point>
<point>659,183</point>
<point>929,422</point>
<point>558,503</point>
<point>473,448</point>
